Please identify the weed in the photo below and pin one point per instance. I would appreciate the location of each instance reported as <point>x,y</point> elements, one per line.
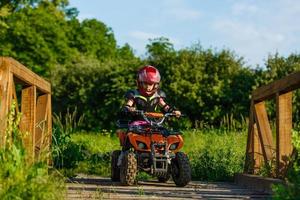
<point>141,191</point>
<point>20,178</point>
<point>292,188</point>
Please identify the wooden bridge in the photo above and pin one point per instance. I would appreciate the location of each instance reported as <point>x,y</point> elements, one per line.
<point>33,95</point>
<point>273,153</point>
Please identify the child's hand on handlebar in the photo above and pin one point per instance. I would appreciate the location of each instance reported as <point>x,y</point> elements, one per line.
<point>177,113</point>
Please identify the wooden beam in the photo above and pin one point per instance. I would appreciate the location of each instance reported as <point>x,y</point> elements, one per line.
<point>24,74</point>
<point>286,84</point>
<point>257,150</point>
<point>283,132</point>
<point>249,162</point>
<point>41,123</point>
<point>49,120</point>
<point>28,119</point>
<point>264,131</point>
<point>48,140</point>
<point>4,87</point>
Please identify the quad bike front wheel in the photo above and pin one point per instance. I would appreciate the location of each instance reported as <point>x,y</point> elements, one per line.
<point>181,169</point>
<point>115,170</point>
<point>128,169</point>
<point>164,177</point>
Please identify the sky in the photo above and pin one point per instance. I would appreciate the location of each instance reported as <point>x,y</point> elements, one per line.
<point>253,29</point>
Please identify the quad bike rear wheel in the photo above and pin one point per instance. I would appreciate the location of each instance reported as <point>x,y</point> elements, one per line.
<point>128,169</point>
<point>181,169</point>
<point>115,170</point>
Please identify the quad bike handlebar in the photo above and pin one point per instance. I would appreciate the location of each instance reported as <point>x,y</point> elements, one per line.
<point>148,115</point>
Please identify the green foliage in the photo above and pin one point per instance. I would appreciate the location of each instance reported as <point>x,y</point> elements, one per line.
<point>90,71</point>
<point>206,84</point>
<point>66,153</point>
<point>4,12</point>
<point>95,88</point>
<point>215,155</point>
<point>20,178</point>
<point>36,39</point>
<point>93,38</point>
<point>97,155</point>
<point>292,188</point>
<point>278,67</point>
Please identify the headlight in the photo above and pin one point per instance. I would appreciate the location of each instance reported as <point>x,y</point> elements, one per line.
<point>174,146</point>
<point>141,145</point>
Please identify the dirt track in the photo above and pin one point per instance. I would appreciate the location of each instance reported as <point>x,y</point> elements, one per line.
<point>93,187</point>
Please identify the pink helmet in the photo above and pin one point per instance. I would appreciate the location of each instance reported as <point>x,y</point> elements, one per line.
<point>148,75</point>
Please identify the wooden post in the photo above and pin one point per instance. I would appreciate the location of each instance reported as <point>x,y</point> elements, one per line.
<point>28,119</point>
<point>264,131</point>
<point>282,91</point>
<point>283,132</point>
<point>43,125</point>
<point>35,112</point>
<point>257,150</point>
<point>4,77</point>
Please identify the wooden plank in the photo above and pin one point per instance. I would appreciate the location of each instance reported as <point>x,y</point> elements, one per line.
<point>29,77</point>
<point>28,119</point>
<point>256,182</point>
<point>249,162</point>
<point>49,127</point>
<point>264,131</point>
<point>283,132</point>
<point>49,119</point>
<point>9,94</point>
<point>286,84</point>
<point>14,94</point>
<point>4,77</point>
<point>41,123</point>
<point>257,150</point>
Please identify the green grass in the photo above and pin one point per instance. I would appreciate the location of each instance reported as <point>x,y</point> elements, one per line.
<point>97,150</point>
<point>214,154</point>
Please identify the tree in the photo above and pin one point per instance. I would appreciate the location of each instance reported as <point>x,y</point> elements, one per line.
<point>96,88</point>
<point>37,38</point>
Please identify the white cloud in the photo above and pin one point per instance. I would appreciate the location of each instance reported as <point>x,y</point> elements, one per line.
<point>179,10</point>
<point>250,40</point>
<point>184,14</point>
<point>242,8</point>
<point>248,32</point>
<point>259,28</point>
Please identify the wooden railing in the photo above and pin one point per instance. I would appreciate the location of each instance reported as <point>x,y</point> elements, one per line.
<point>34,100</point>
<point>261,150</point>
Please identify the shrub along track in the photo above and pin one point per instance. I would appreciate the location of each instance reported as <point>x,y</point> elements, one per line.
<point>93,187</point>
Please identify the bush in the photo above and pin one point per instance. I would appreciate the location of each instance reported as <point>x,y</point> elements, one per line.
<point>215,155</point>
<point>19,177</point>
<point>292,188</point>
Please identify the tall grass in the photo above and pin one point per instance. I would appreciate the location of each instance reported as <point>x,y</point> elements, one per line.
<point>215,155</point>
<point>66,153</point>
<point>20,178</point>
<point>292,188</point>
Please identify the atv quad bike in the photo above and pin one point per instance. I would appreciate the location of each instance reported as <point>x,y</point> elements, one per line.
<point>148,146</point>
